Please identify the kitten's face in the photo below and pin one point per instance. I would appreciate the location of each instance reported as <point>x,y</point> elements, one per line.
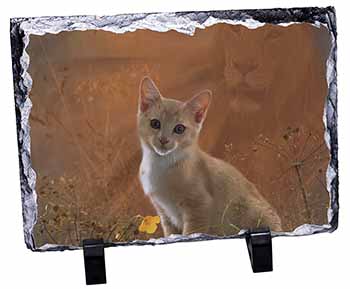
<point>166,125</point>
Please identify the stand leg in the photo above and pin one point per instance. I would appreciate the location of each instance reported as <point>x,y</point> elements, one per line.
<point>94,260</point>
<point>259,243</point>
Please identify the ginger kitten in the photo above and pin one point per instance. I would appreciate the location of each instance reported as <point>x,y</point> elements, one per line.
<point>192,191</point>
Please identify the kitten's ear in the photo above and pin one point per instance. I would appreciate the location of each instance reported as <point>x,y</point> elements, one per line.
<point>198,105</point>
<point>149,94</point>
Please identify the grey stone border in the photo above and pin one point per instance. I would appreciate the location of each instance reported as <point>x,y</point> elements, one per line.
<point>184,22</point>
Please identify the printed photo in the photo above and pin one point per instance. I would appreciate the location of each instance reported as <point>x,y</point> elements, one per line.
<point>145,134</point>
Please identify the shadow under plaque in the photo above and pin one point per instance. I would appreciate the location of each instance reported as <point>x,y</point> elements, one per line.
<point>166,127</point>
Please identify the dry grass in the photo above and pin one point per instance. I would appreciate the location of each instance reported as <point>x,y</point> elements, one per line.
<point>301,158</point>
<point>65,218</point>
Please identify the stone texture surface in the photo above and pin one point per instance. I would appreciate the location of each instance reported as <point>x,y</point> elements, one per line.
<point>183,22</point>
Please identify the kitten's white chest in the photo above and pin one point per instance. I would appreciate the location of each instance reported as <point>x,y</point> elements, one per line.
<point>155,181</point>
<point>151,175</point>
<point>147,181</point>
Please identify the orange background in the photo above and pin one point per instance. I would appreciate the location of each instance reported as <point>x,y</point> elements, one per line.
<point>269,89</point>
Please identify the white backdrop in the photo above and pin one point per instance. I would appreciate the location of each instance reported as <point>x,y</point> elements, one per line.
<point>318,261</point>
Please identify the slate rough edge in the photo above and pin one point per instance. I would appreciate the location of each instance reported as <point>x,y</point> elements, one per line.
<point>23,83</point>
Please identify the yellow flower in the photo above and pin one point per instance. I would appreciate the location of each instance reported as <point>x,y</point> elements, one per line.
<point>149,224</point>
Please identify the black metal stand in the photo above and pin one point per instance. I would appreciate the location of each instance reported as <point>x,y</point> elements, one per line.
<point>259,243</point>
<point>94,260</point>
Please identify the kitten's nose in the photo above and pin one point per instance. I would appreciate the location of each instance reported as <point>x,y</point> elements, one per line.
<point>163,140</point>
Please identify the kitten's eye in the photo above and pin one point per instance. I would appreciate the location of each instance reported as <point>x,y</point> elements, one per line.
<point>179,129</point>
<point>155,123</point>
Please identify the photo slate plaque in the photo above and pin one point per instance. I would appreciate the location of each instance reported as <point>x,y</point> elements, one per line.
<point>157,128</point>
